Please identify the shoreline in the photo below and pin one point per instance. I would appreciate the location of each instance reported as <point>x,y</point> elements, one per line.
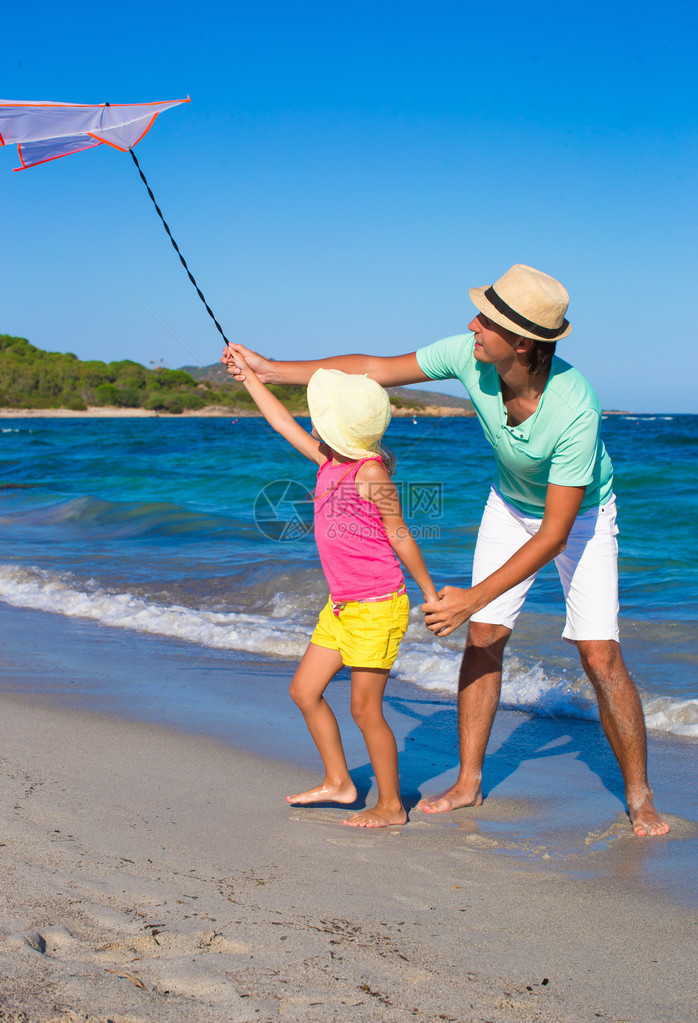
<point>221,411</point>
<point>534,766</point>
<point>209,412</point>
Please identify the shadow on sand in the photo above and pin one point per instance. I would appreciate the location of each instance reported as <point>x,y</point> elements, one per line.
<point>430,748</point>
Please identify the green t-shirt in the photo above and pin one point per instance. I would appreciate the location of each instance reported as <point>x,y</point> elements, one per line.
<point>560,443</point>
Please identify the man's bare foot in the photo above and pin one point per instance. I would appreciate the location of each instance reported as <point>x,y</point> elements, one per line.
<point>326,793</point>
<point>645,819</point>
<point>378,817</point>
<point>451,799</point>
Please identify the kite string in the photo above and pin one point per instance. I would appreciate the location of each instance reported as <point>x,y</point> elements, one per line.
<point>176,248</point>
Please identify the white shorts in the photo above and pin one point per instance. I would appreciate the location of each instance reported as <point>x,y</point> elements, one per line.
<point>588,567</point>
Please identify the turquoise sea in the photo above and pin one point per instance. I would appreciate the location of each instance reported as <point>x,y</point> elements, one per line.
<point>200,530</point>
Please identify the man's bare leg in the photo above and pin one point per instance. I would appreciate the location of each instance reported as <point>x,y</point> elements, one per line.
<point>623,722</point>
<point>479,686</point>
<point>317,668</point>
<point>367,688</point>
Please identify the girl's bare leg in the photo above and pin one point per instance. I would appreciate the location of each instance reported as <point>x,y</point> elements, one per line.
<point>367,688</point>
<point>317,668</point>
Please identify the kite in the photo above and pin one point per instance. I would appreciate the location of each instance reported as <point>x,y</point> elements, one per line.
<point>48,131</point>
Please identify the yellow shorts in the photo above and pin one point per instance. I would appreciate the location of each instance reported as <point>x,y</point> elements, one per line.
<point>366,633</point>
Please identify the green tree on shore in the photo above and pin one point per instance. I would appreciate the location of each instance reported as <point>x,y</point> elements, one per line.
<point>31,378</point>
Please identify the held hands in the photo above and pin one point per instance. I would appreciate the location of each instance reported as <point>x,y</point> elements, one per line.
<point>237,360</point>
<point>448,613</point>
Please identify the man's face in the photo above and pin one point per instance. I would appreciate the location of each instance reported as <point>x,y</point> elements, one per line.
<point>492,342</point>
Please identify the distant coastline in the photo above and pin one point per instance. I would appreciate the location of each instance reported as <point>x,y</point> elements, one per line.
<point>39,384</point>
<point>208,412</point>
<point>431,410</point>
<point>35,384</point>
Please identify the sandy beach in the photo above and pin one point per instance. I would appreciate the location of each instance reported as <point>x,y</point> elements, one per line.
<point>151,871</point>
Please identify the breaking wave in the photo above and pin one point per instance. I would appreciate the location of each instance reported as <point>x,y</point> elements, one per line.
<point>282,632</point>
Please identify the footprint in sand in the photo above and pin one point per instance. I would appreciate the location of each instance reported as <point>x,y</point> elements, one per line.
<point>160,945</point>
<point>353,841</point>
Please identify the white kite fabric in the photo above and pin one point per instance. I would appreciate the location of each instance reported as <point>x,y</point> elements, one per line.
<point>47,131</point>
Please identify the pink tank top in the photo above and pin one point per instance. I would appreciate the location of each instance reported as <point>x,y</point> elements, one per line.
<point>354,549</point>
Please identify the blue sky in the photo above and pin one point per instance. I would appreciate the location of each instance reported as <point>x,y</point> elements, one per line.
<point>345,171</point>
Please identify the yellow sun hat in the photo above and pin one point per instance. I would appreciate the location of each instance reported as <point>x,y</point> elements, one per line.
<point>527,301</point>
<point>349,411</point>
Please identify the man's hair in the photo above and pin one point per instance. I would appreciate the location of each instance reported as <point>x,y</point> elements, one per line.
<point>541,356</point>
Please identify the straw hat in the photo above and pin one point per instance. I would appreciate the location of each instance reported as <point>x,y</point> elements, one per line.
<point>349,411</point>
<point>526,301</point>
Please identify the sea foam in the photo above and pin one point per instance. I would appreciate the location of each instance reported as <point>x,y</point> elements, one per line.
<point>430,664</point>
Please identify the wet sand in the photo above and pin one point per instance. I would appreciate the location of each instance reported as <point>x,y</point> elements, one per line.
<point>150,868</point>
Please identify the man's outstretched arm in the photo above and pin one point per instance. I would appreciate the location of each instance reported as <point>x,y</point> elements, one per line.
<point>391,371</point>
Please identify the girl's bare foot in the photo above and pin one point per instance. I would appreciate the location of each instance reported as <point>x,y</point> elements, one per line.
<point>451,799</point>
<point>345,792</point>
<point>378,817</point>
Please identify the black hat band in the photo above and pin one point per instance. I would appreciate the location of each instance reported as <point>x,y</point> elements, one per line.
<point>545,333</point>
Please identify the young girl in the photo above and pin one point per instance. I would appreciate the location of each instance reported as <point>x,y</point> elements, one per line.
<point>359,530</point>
